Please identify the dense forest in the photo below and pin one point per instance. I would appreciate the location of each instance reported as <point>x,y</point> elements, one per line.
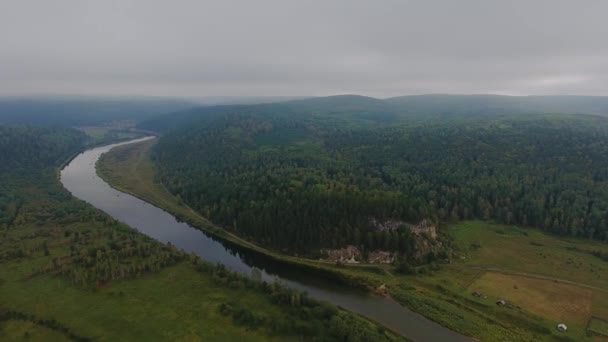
<point>31,195</point>
<point>59,248</point>
<point>318,173</point>
<point>29,153</point>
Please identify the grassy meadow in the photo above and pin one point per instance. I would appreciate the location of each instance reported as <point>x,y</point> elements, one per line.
<point>543,278</point>
<point>13,330</point>
<point>111,131</point>
<point>153,307</point>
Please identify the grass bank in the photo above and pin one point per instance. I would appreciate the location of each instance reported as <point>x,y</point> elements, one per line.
<point>544,279</point>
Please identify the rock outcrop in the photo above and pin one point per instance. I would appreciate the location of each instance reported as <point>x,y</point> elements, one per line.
<point>426,242</point>
<point>349,255</point>
<point>352,255</point>
<point>424,227</point>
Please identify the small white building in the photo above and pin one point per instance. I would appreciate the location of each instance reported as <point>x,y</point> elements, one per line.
<point>562,327</point>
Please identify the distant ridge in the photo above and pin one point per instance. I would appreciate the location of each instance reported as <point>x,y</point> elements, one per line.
<point>371,109</point>
<point>76,111</point>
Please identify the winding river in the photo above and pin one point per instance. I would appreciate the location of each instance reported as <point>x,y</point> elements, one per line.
<point>81,179</point>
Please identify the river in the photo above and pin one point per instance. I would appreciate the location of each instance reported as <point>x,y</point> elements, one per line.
<point>80,178</point>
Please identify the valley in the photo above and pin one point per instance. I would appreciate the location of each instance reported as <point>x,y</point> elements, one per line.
<point>306,171</point>
<point>500,262</point>
<point>71,272</point>
<point>377,227</point>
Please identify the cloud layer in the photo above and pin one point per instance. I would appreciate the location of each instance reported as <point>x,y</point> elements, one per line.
<point>378,48</point>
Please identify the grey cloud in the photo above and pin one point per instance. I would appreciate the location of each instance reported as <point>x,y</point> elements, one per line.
<point>378,48</point>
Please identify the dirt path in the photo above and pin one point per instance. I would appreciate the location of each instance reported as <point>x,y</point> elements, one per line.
<point>535,276</point>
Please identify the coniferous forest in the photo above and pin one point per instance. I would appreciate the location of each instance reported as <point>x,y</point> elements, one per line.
<point>317,173</point>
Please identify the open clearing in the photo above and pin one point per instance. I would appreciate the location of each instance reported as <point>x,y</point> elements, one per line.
<point>554,300</point>
<point>559,279</point>
<point>529,250</point>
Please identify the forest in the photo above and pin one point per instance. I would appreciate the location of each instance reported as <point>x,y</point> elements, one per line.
<point>311,174</point>
<point>65,264</point>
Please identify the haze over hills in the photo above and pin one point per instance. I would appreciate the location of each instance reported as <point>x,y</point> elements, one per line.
<point>355,179</point>
<point>272,170</point>
<point>81,110</point>
<point>397,108</point>
<point>74,111</point>
<point>163,113</point>
<point>437,142</point>
<point>501,104</point>
<point>389,185</point>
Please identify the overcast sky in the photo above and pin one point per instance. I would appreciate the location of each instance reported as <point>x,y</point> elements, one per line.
<point>376,48</point>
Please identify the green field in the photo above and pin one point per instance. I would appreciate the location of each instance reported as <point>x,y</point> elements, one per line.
<point>111,131</point>
<point>14,330</point>
<point>532,251</point>
<point>154,307</point>
<point>546,279</point>
<point>552,278</point>
<point>178,302</point>
<point>599,327</point>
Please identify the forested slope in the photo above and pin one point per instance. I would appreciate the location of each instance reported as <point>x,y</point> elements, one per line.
<point>310,174</point>
<point>28,154</point>
<point>70,272</point>
<point>361,109</point>
<point>454,105</point>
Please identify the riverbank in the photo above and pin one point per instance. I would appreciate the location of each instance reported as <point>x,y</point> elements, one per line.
<point>443,296</point>
<point>81,180</point>
<point>133,287</point>
<point>128,169</point>
<point>281,312</point>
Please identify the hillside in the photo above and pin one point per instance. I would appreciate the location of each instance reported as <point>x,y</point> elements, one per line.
<point>310,175</point>
<point>545,279</point>
<point>450,105</point>
<point>354,109</point>
<point>84,111</point>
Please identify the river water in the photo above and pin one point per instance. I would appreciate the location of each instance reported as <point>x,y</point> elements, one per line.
<point>80,178</point>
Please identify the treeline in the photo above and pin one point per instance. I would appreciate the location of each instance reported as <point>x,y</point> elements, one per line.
<point>548,171</point>
<point>121,255</point>
<point>29,153</point>
<point>300,183</point>
<point>52,324</point>
<point>300,314</point>
<point>26,149</point>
